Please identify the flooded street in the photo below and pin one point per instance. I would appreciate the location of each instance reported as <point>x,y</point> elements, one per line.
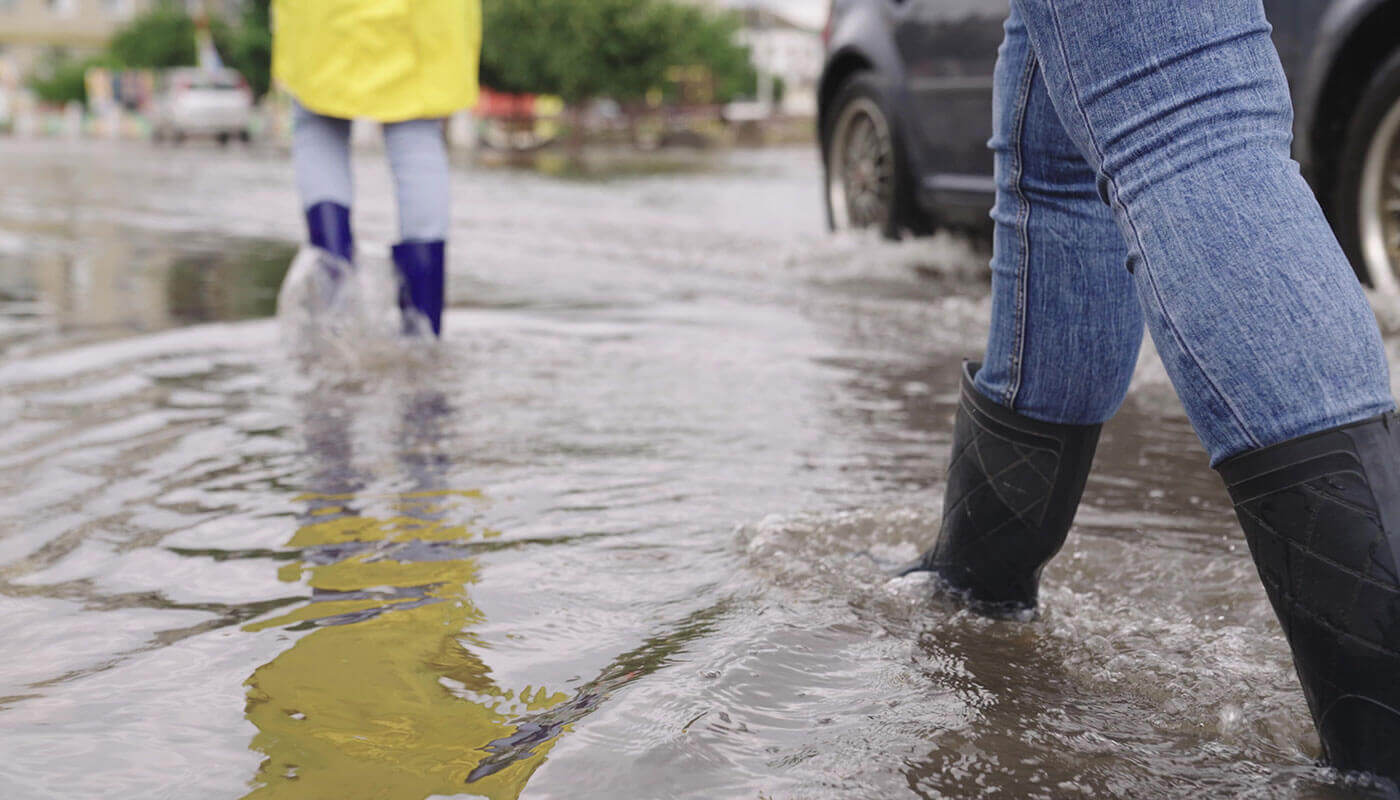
<point>622,534</point>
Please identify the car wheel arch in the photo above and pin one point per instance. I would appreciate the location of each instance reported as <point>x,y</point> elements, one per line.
<point>860,41</point>
<point>839,69</point>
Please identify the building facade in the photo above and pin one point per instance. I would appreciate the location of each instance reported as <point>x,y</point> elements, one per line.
<point>783,50</point>
<point>32,29</point>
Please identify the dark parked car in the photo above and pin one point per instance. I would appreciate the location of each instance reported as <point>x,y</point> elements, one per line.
<point>905,114</point>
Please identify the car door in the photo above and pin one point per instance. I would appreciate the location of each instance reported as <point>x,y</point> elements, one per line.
<point>949,49</point>
<point>1291,20</point>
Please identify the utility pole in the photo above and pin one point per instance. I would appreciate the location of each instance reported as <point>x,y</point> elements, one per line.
<point>208,55</point>
<point>765,76</point>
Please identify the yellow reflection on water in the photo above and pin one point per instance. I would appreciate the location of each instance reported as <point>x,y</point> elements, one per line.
<point>383,699</point>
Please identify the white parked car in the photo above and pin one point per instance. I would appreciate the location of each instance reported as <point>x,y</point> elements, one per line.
<point>203,102</point>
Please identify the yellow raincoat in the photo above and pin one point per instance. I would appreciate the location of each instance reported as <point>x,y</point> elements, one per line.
<point>388,60</point>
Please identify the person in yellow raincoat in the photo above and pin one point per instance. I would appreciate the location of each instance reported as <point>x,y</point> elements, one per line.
<point>406,64</point>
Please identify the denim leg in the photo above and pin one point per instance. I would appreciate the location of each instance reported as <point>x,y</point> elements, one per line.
<point>418,157</point>
<point>321,158</point>
<point>1066,321</point>
<point>1183,110</point>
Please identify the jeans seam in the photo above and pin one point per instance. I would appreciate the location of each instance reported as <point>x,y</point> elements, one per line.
<point>1137,237</point>
<point>1023,219</point>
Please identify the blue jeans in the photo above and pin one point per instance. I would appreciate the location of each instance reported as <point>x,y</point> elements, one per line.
<point>417,156</point>
<point>1143,174</point>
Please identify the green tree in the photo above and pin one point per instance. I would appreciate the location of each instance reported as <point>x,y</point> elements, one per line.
<point>164,37</point>
<point>247,46</point>
<point>59,78</point>
<point>604,48</point>
<point>161,37</point>
<point>710,40</point>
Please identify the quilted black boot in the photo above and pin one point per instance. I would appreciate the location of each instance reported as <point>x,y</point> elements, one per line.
<point>1013,486</point>
<point>1321,514</point>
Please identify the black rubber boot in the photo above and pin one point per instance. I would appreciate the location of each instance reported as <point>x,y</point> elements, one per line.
<point>1014,484</point>
<point>1322,517</point>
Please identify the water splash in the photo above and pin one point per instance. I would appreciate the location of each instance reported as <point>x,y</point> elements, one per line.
<point>335,316</point>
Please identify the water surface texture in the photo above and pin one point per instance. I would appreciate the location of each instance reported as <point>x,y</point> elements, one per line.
<point>620,535</point>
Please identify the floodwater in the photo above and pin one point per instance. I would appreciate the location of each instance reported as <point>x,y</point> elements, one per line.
<point>620,535</point>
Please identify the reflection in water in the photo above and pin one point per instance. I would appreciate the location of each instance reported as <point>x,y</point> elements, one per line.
<point>114,280</point>
<point>382,690</point>
<point>534,729</point>
<point>222,280</point>
<point>384,686</point>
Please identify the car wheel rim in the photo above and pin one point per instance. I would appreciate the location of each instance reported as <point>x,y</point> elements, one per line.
<point>860,167</point>
<point>1380,205</point>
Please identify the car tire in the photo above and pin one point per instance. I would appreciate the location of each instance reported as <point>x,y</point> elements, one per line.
<point>223,138</point>
<point>1366,196</point>
<point>868,181</point>
<point>245,136</point>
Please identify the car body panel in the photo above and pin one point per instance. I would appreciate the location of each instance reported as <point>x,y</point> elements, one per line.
<point>939,57</point>
<point>949,51</point>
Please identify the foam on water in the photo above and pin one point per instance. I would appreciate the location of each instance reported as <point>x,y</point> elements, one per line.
<point>338,320</point>
<point>1102,694</point>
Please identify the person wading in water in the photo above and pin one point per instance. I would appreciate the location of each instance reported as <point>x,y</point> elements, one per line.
<point>1144,175</point>
<point>408,66</point>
